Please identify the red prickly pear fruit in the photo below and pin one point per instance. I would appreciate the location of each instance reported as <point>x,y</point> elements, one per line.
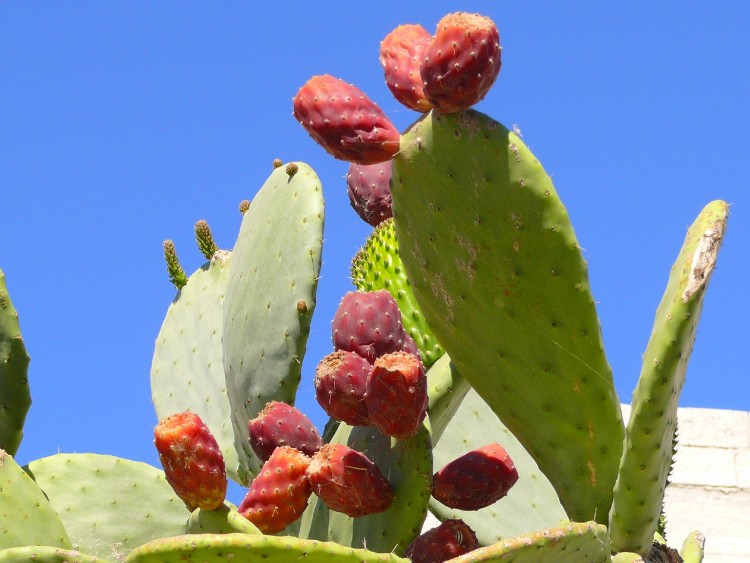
<point>450,539</point>
<point>192,461</point>
<point>411,347</point>
<point>368,323</point>
<point>278,495</point>
<point>348,481</point>
<point>280,424</point>
<point>344,121</point>
<point>396,394</point>
<point>476,479</point>
<point>401,52</point>
<point>340,383</point>
<point>369,191</point>
<point>462,61</point>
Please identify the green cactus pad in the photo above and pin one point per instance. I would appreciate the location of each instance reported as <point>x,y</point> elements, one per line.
<point>15,397</point>
<point>223,520</point>
<point>446,389</point>
<point>187,373</point>
<point>245,548</point>
<point>529,506</point>
<point>378,266</point>
<point>573,543</point>
<point>407,464</point>
<point>46,554</point>
<point>109,505</point>
<point>270,298</point>
<point>647,455</point>
<point>26,516</point>
<point>498,273</point>
<point>692,547</point>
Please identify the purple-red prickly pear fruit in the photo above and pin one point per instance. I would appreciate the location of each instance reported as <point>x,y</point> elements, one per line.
<point>450,539</point>
<point>411,347</point>
<point>476,479</point>
<point>340,384</point>
<point>368,323</point>
<point>397,394</point>
<point>348,481</point>
<point>462,61</point>
<point>192,460</point>
<point>401,53</point>
<point>345,122</point>
<point>280,424</point>
<point>369,191</point>
<point>279,494</point>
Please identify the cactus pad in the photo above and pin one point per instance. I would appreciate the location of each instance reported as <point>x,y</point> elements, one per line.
<point>647,455</point>
<point>274,272</point>
<point>109,505</point>
<point>46,554</point>
<point>15,397</point>
<point>26,516</point>
<point>498,273</point>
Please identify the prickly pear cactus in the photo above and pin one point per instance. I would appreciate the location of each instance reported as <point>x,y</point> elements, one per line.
<point>647,455</point>
<point>223,520</point>
<point>46,554</point>
<point>15,397</point>
<point>499,276</point>
<point>270,296</point>
<point>248,548</point>
<point>27,517</point>
<point>109,505</point>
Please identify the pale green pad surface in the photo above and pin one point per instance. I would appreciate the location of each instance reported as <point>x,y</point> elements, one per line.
<point>243,548</point>
<point>109,505</point>
<point>46,554</point>
<point>497,271</point>
<point>275,266</point>
<point>407,464</point>
<point>187,373</point>
<point>223,520</point>
<point>26,516</point>
<point>529,506</point>
<point>15,397</point>
<point>573,543</point>
<point>647,456</point>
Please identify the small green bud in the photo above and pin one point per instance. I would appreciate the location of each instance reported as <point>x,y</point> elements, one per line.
<point>176,273</point>
<point>205,239</point>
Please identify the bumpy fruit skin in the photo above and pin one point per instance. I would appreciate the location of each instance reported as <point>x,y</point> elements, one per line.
<point>279,494</point>
<point>397,394</point>
<point>280,424</point>
<point>401,53</point>
<point>344,121</point>
<point>192,460</point>
<point>476,479</point>
<point>462,61</point>
<point>368,323</point>
<point>340,386</point>
<point>348,481</point>
<point>450,539</point>
<point>369,191</point>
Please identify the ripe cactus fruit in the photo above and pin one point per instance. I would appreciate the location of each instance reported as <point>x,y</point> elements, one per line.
<point>344,121</point>
<point>476,479</point>
<point>278,495</point>
<point>368,323</point>
<point>348,481</point>
<point>280,424</point>
<point>462,61</point>
<point>192,460</point>
<point>401,52</point>
<point>340,385</point>
<point>369,191</point>
<point>396,394</point>
<point>448,540</point>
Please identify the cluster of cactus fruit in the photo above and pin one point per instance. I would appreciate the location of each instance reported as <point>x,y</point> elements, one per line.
<point>471,344</point>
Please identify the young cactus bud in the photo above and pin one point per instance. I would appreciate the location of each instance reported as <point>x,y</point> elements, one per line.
<point>176,274</point>
<point>205,239</point>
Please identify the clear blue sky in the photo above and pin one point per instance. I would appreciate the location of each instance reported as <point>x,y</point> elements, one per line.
<point>121,124</point>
